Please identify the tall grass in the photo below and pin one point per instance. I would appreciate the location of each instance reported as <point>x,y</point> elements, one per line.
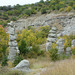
<point>66,67</point>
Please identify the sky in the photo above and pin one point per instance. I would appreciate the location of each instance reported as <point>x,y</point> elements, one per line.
<point>14,2</point>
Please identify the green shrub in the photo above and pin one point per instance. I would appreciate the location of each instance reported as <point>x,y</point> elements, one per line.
<point>35,51</point>
<point>0,13</point>
<point>17,60</point>
<point>43,11</point>
<point>13,19</point>
<point>33,11</point>
<point>5,17</point>
<point>73,51</point>
<point>62,9</point>
<point>68,9</point>
<point>10,12</point>
<point>23,47</point>
<point>53,54</point>
<point>74,7</point>
<point>4,61</point>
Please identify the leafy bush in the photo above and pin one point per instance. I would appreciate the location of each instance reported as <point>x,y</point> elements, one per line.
<point>62,9</point>
<point>74,7</point>
<point>17,60</point>
<point>68,9</point>
<point>4,61</point>
<point>0,13</point>
<point>23,47</point>
<point>73,50</point>
<point>10,12</point>
<point>53,54</point>
<point>13,19</point>
<point>43,11</point>
<point>35,51</point>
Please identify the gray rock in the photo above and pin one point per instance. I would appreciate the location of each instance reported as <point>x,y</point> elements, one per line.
<point>48,46</point>
<point>12,37</point>
<point>68,51</point>
<point>22,66</point>
<point>73,43</point>
<point>60,46</point>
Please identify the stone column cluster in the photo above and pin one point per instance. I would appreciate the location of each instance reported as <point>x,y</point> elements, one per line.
<point>52,37</point>
<point>13,49</point>
<point>60,46</point>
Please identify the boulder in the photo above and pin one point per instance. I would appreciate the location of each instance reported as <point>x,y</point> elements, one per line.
<point>22,66</point>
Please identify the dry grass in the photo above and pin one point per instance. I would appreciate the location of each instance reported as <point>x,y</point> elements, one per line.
<point>66,67</point>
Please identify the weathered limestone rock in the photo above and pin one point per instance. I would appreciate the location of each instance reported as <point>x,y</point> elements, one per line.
<point>68,51</point>
<point>52,37</point>
<point>73,43</point>
<point>13,49</point>
<point>23,66</point>
<point>60,46</point>
<point>48,46</point>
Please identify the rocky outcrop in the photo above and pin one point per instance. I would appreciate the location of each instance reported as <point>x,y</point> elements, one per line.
<point>65,23</point>
<point>13,49</point>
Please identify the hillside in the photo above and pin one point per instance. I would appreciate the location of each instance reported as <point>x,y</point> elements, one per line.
<point>8,13</point>
<point>38,39</point>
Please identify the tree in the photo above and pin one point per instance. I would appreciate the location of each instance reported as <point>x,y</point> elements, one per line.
<point>23,47</point>
<point>41,1</point>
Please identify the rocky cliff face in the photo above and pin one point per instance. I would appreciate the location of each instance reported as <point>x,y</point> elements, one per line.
<point>65,22</point>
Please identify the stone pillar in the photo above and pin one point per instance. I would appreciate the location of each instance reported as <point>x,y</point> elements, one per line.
<point>60,46</point>
<point>13,49</point>
<point>68,51</point>
<point>52,37</point>
<point>73,43</point>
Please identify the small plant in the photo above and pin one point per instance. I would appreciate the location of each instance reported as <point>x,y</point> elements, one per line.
<point>73,50</point>
<point>68,9</point>
<point>4,61</point>
<point>13,19</point>
<point>17,60</point>
<point>62,9</point>
<point>43,11</point>
<point>53,54</point>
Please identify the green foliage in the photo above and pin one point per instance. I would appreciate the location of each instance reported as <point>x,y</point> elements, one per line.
<point>13,73</point>
<point>4,61</point>
<point>74,7</point>
<point>35,51</point>
<point>68,9</point>
<point>5,16</point>
<point>53,54</point>
<point>43,11</point>
<point>23,47</point>
<point>63,56</point>
<point>62,9</point>
<point>33,36</point>
<point>17,60</point>
<point>10,12</point>
<point>0,13</point>
<point>3,42</point>
<point>13,18</point>
<point>73,50</point>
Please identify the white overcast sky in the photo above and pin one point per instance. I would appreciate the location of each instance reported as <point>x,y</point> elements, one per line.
<point>14,2</point>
